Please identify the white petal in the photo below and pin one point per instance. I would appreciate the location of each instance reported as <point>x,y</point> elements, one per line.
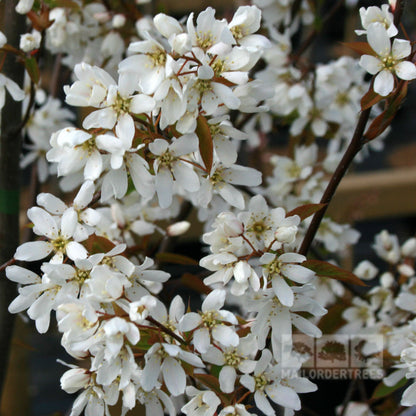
<point>174,376</point>
<point>75,250</point>
<point>21,275</point>
<point>44,223</point>
<point>69,221</point>
<point>406,70</point>
<point>104,118</point>
<point>378,39</point>
<point>384,83</point>
<point>227,379</point>
<point>401,49</point>
<point>142,103</point>
<point>164,185</point>
<point>33,250</point>
<point>283,291</point>
<point>225,335</point>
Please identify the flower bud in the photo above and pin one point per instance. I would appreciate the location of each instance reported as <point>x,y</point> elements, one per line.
<point>286,234</point>
<point>366,270</point>
<point>409,248</point>
<point>178,228</point>
<point>74,379</point>
<point>118,21</point>
<point>3,39</point>
<point>30,41</point>
<point>386,279</point>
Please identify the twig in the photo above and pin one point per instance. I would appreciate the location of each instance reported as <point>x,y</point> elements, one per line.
<point>398,11</point>
<point>165,329</point>
<point>347,397</point>
<point>353,148</point>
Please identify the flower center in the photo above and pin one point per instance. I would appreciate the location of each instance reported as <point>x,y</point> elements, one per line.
<point>260,382</point>
<point>210,319</point>
<point>59,243</point>
<point>237,32</point>
<point>82,275</point>
<point>232,358</point>
<point>158,57</point>
<point>205,40</point>
<point>389,62</point>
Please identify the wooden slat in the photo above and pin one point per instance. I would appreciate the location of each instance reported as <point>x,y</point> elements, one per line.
<point>375,195</point>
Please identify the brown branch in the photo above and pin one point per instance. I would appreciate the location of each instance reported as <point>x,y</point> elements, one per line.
<point>10,147</point>
<point>354,147</point>
<point>166,330</point>
<point>398,11</point>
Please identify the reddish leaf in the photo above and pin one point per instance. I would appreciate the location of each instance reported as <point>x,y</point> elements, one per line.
<point>305,211</point>
<point>96,244</point>
<point>333,320</point>
<point>325,269</point>
<point>40,21</point>
<point>10,48</point>
<point>370,98</point>
<point>363,48</point>
<point>206,146</point>
<point>175,259</point>
<point>195,283</point>
<point>32,69</point>
<point>382,390</point>
<point>209,381</point>
<point>383,120</point>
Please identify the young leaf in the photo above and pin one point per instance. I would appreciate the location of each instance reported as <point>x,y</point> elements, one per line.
<point>370,99</point>
<point>305,211</point>
<point>206,146</point>
<point>175,259</point>
<point>32,69</point>
<point>382,390</point>
<point>96,244</point>
<point>382,121</point>
<point>325,269</point>
<point>195,283</point>
<point>363,48</point>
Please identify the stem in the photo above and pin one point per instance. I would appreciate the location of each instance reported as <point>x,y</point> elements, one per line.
<point>164,329</point>
<point>398,11</point>
<point>10,145</point>
<point>353,148</point>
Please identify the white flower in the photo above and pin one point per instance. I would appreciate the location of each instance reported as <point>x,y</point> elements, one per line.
<point>389,59</point>
<point>14,90</point>
<point>164,358</point>
<point>286,266</point>
<point>24,6</point>
<point>374,14</point>
<point>366,270</point>
<point>170,166</point>
<point>204,403</point>
<point>30,41</point>
<point>60,235</point>
<point>211,323</point>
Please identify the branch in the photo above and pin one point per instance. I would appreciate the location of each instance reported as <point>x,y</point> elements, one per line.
<point>10,145</point>
<point>354,147</point>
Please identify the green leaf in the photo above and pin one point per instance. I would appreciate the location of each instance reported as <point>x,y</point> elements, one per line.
<point>32,69</point>
<point>206,145</point>
<point>382,390</point>
<point>306,211</point>
<point>175,259</point>
<point>325,269</point>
